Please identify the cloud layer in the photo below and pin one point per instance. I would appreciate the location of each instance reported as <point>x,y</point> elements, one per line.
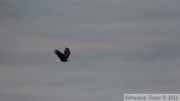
<point>118,46</point>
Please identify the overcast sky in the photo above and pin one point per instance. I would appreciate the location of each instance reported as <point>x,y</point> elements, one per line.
<point>117,46</point>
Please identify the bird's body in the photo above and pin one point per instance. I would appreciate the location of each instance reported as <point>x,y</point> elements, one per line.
<point>63,56</point>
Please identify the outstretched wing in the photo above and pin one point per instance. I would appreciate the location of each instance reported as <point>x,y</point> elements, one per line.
<point>67,52</point>
<point>59,54</point>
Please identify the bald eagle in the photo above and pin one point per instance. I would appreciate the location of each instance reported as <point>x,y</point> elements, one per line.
<point>63,56</point>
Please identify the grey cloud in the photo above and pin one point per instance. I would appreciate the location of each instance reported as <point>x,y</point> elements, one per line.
<point>45,83</point>
<point>97,11</point>
<point>141,47</point>
<point>118,46</point>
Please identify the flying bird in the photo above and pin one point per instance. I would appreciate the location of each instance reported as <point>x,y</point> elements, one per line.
<point>63,56</point>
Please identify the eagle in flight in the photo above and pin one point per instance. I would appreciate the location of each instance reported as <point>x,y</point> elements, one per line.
<point>63,56</point>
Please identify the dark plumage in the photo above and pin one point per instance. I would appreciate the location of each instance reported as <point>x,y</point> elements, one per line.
<point>63,57</point>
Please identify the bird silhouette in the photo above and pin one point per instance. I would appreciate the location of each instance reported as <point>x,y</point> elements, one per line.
<point>63,57</point>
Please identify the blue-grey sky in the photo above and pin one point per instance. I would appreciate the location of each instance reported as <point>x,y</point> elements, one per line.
<point>117,46</point>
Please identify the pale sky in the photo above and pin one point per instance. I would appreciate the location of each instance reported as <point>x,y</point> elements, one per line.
<point>117,46</point>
